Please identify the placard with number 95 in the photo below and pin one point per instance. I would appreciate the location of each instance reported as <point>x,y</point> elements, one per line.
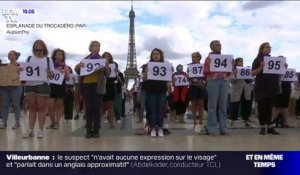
<point>274,65</point>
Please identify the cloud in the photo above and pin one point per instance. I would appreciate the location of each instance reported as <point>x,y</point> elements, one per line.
<point>253,5</point>
<point>177,27</point>
<point>163,44</point>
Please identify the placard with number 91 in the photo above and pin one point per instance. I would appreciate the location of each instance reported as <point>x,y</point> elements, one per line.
<point>33,71</point>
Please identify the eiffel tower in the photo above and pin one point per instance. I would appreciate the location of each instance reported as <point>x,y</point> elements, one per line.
<point>131,71</point>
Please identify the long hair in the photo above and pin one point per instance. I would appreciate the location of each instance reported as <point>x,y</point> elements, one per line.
<point>42,43</point>
<point>111,59</point>
<point>160,52</point>
<point>261,47</point>
<point>59,50</point>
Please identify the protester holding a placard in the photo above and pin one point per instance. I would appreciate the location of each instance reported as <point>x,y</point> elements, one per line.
<point>217,90</point>
<point>11,92</point>
<point>57,91</point>
<point>241,102</point>
<point>179,98</point>
<point>109,96</point>
<point>281,102</point>
<point>197,92</point>
<point>37,92</point>
<point>156,92</point>
<point>265,89</point>
<point>93,88</point>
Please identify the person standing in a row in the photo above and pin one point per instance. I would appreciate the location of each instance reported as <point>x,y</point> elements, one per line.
<point>156,96</point>
<point>266,86</point>
<point>11,93</point>
<point>58,91</point>
<point>217,90</point>
<point>90,88</point>
<point>241,102</point>
<point>37,92</point>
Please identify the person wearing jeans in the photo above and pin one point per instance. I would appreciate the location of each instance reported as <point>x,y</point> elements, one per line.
<point>217,91</point>
<point>156,96</point>
<point>11,93</point>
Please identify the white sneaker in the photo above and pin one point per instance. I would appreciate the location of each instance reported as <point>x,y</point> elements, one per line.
<point>153,133</point>
<point>40,134</point>
<point>160,132</point>
<point>105,121</point>
<point>28,133</point>
<point>119,121</point>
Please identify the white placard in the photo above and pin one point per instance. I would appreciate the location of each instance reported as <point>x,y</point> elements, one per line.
<point>181,80</point>
<point>159,71</point>
<point>113,70</point>
<point>57,77</point>
<point>243,72</point>
<point>274,65</point>
<point>195,70</point>
<point>220,63</point>
<point>290,75</point>
<point>91,65</point>
<point>33,71</point>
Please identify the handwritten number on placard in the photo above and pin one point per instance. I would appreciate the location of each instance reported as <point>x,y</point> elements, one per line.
<point>30,70</point>
<point>289,74</point>
<point>181,79</point>
<point>218,63</point>
<point>195,71</point>
<point>55,77</point>
<point>245,72</point>
<point>162,71</point>
<point>274,65</point>
<point>90,66</point>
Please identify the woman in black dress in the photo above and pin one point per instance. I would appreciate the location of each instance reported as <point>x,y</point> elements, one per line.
<point>266,86</point>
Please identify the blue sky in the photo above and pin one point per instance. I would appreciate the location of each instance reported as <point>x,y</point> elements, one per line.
<point>177,27</point>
